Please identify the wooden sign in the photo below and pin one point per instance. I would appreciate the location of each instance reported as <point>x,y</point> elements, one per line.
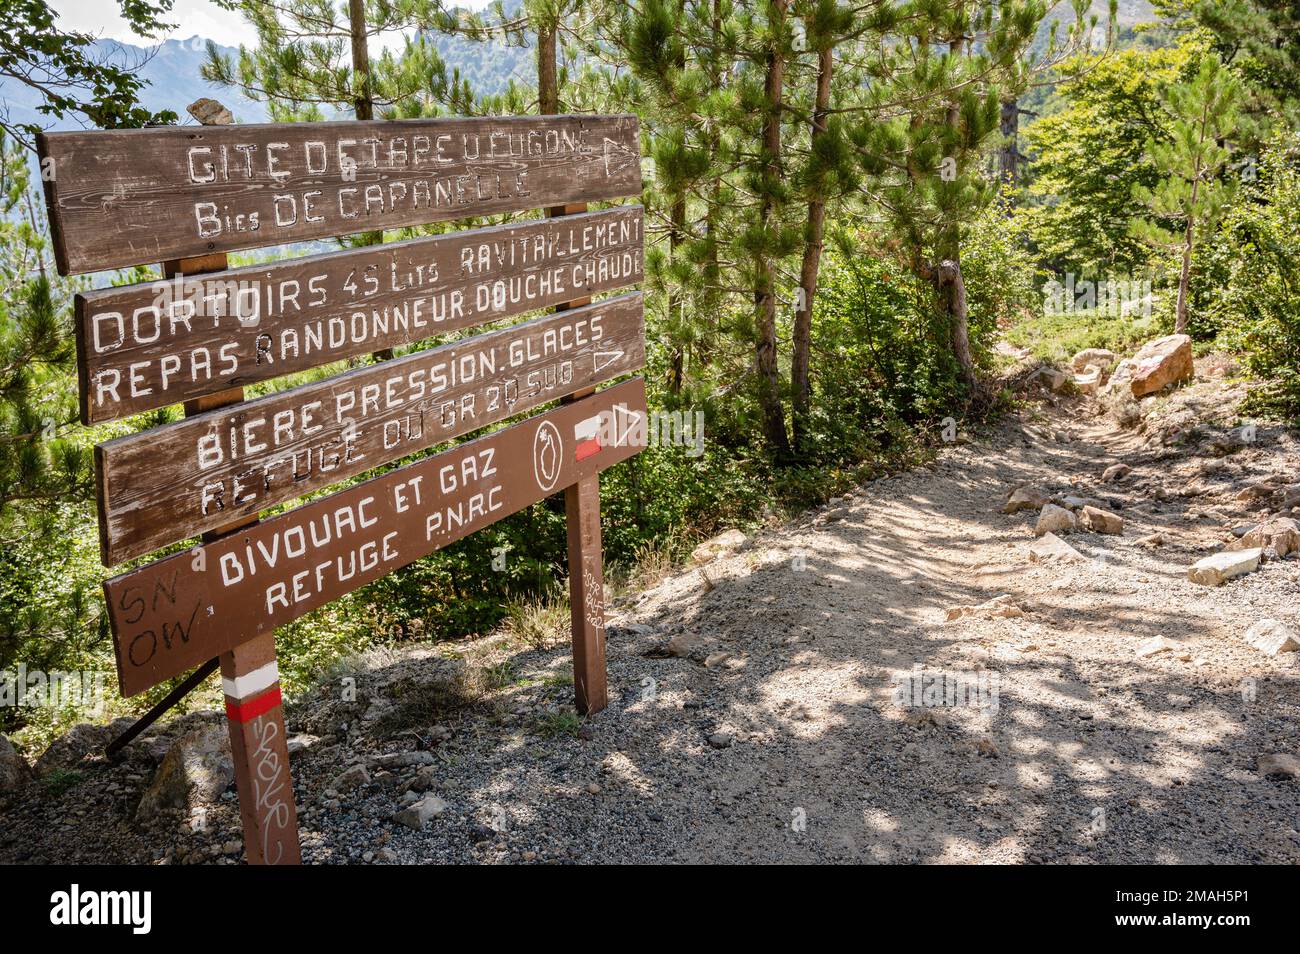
<point>182,610</point>
<point>132,197</point>
<point>170,483</point>
<point>146,346</point>
<point>186,196</point>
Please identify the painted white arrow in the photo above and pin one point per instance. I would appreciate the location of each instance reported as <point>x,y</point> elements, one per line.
<point>625,424</point>
<point>609,356</point>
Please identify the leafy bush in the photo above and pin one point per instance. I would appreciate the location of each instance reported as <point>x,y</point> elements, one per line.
<point>1256,263</point>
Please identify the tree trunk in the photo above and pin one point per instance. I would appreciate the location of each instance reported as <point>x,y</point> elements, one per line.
<point>1185,274</point>
<point>364,105</point>
<point>952,294</point>
<point>801,360</point>
<point>548,92</point>
<point>769,379</point>
<point>677,222</point>
<point>1184,280</point>
<point>1009,152</point>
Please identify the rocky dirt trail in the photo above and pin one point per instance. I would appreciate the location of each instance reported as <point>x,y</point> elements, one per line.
<point>1111,710</point>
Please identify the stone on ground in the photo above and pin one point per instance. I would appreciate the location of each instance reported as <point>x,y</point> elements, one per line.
<point>1115,472</point>
<point>14,772</point>
<point>1051,548</point>
<point>1160,363</point>
<point>1154,645</point>
<point>1025,498</point>
<point>724,543</point>
<point>1099,358</point>
<point>1101,521</point>
<point>1221,567</point>
<point>195,771</point>
<point>1277,538</point>
<point>1279,763</point>
<point>1053,519</point>
<point>1271,637</point>
<point>420,813</point>
<point>350,778</point>
<point>1000,607</point>
<point>688,646</point>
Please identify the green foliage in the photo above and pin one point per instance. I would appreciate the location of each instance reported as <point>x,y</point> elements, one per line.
<point>61,65</point>
<point>1003,282</point>
<point>1090,155</point>
<point>1255,260</point>
<point>47,602</point>
<point>1201,112</point>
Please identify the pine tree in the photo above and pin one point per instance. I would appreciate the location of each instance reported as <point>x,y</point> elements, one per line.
<point>1260,41</point>
<point>937,109</point>
<point>1201,113</point>
<point>43,471</point>
<point>63,68</point>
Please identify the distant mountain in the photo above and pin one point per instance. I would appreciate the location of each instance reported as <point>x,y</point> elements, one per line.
<point>173,78</point>
<point>173,81</point>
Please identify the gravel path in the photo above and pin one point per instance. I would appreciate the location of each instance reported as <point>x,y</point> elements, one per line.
<point>755,712</point>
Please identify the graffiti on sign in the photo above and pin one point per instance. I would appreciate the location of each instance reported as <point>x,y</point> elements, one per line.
<point>163,485</point>
<point>131,197</point>
<point>153,344</point>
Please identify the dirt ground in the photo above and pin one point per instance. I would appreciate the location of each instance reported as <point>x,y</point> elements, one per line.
<point>781,734</point>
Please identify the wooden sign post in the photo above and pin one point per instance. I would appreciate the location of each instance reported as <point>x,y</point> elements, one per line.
<point>188,196</point>
<point>259,746</point>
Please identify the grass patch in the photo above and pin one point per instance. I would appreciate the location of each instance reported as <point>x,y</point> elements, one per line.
<point>539,622</point>
<point>558,724</point>
<point>1058,336</point>
<point>62,780</point>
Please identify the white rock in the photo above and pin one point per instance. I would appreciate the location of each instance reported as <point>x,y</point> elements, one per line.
<point>714,547</point>
<point>1052,548</point>
<point>1271,637</point>
<point>1154,645</point>
<point>419,814</point>
<point>1088,380</point>
<point>1221,567</point>
<point>1003,607</point>
<point>1098,358</point>
<point>1101,521</point>
<point>1277,538</point>
<point>1053,519</point>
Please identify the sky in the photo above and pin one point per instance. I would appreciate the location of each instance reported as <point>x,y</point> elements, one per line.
<point>193,18</point>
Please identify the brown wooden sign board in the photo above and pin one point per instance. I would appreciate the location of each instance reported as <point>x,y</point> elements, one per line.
<point>186,196</point>
<point>173,614</point>
<point>172,482</point>
<point>146,346</point>
<point>132,197</point>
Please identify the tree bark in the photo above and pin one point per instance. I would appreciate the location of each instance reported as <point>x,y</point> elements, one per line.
<point>1184,280</point>
<point>364,102</point>
<point>364,106</point>
<point>801,359</point>
<point>1009,153</point>
<point>677,234</point>
<point>548,92</point>
<point>952,292</point>
<point>765,358</point>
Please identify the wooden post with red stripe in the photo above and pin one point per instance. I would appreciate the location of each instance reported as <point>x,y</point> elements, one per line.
<point>586,563</point>
<point>255,714</point>
<point>250,677</point>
